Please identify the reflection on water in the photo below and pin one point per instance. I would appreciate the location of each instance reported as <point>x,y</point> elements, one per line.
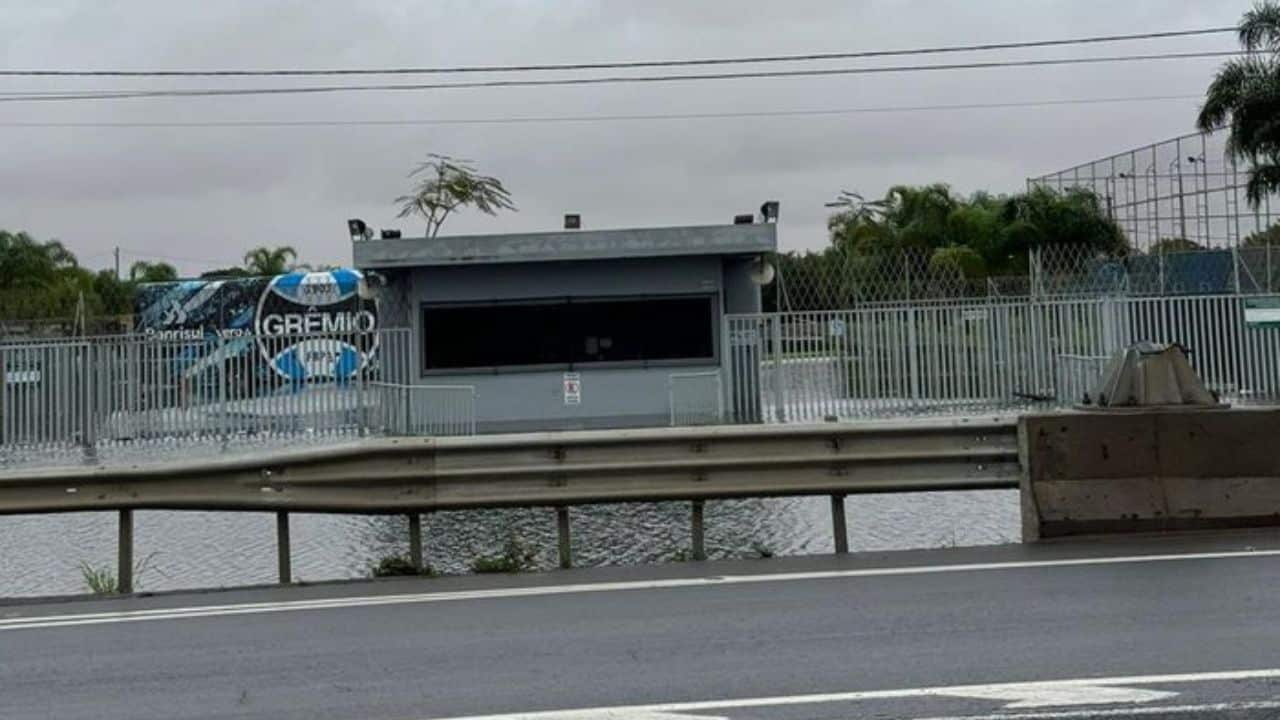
<point>39,555</point>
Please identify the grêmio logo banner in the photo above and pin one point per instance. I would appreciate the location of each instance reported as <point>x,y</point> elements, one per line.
<point>304,325</point>
<point>296,313</point>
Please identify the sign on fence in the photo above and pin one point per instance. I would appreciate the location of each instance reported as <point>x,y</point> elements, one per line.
<point>1262,312</point>
<point>573,388</point>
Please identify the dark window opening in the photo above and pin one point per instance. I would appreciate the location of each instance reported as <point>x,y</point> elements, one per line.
<point>566,332</point>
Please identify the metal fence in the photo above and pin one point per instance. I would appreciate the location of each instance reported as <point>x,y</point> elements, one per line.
<point>125,392</point>
<point>1187,188</point>
<point>424,409</point>
<point>964,357</point>
<point>837,278</point>
<point>695,398</point>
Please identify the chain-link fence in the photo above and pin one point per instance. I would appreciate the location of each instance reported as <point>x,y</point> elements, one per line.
<point>1183,191</point>
<point>838,280</point>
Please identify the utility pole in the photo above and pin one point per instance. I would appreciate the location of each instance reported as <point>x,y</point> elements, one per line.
<point>117,254</point>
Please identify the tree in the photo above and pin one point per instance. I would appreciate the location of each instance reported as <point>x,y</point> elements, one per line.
<point>224,273</point>
<point>27,263</point>
<point>448,184</point>
<point>1244,97</point>
<point>1173,245</point>
<point>269,261</point>
<point>143,271</point>
<point>1269,237</point>
<point>995,231</point>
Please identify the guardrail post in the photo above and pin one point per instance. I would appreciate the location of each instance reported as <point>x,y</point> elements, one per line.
<point>282,547</point>
<point>124,559</point>
<point>562,527</point>
<point>838,527</point>
<point>415,541</point>
<point>696,525</point>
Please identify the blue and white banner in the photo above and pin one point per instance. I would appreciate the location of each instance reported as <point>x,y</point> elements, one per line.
<point>306,326</point>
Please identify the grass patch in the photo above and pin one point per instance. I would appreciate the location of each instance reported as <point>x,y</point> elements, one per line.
<point>102,580</point>
<point>99,580</point>
<point>515,557</point>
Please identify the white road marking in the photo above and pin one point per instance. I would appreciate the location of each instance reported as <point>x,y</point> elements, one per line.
<point>202,611</point>
<point>1158,711</point>
<point>1019,690</point>
<point>1036,695</point>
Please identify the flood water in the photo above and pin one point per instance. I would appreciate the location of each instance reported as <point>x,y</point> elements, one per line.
<point>41,555</point>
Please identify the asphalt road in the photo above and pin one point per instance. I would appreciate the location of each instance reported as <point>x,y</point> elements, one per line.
<point>1142,628</point>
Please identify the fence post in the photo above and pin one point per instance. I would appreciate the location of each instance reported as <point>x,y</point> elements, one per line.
<point>87,394</point>
<point>285,573</point>
<point>779,391</point>
<point>562,532</point>
<point>223,430</point>
<point>913,354</point>
<point>726,361</point>
<point>838,526</point>
<point>697,530</point>
<point>124,553</point>
<point>415,541</point>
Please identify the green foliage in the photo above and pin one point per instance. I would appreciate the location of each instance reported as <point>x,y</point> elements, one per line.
<point>1172,245</point>
<point>983,235</point>
<point>398,566</point>
<point>515,557</point>
<point>927,242</point>
<point>224,273</point>
<point>1244,98</point>
<point>43,280</point>
<point>269,261</point>
<point>103,581</point>
<point>99,580</point>
<point>960,259</point>
<point>143,271</point>
<point>448,184</point>
<point>1268,237</point>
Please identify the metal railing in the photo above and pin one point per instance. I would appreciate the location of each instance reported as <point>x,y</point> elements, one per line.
<point>695,398</point>
<point>116,394</point>
<point>539,470</point>
<point>963,357</point>
<point>1077,376</point>
<point>434,410</point>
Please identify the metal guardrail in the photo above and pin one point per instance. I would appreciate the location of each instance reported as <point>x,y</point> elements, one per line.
<point>413,475</point>
<point>391,475</point>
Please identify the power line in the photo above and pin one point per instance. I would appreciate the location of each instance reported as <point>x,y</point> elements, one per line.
<point>531,119</point>
<point>807,57</point>
<point>49,96</point>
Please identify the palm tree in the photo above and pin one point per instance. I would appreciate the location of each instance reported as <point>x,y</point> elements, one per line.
<point>1245,98</point>
<point>447,185</point>
<point>269,261</point>
<point>148,272</point>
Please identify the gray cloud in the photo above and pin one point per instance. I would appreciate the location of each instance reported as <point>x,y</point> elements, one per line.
<point>209,194</point>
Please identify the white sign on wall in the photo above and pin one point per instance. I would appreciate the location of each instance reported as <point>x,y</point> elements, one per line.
<point>573,388</point>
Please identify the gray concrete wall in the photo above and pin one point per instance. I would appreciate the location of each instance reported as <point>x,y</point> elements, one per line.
<point>1099,472</point>
<point>741,295</point>
<point>514,399</point>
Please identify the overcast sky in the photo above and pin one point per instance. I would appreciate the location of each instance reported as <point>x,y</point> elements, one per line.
<point>202,196</point>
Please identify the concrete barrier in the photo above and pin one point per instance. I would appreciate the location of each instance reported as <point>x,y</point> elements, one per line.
<point>1148,470</point>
